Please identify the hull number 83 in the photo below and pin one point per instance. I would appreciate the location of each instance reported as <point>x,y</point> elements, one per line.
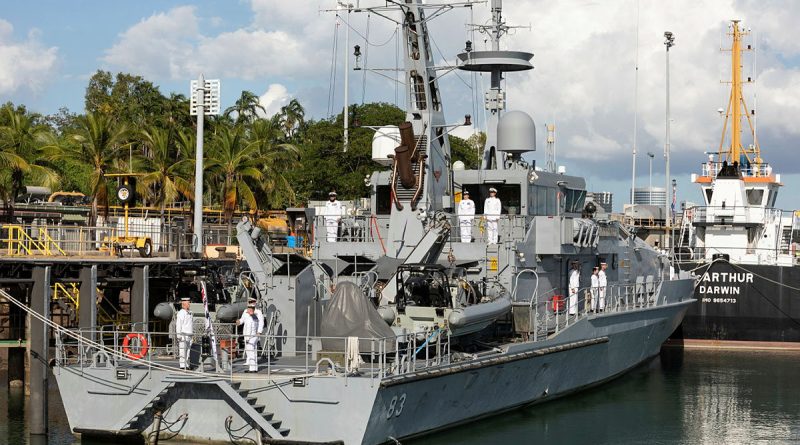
<point>396,406</point>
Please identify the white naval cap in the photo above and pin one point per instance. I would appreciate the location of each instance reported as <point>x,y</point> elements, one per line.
<point>492,189</point>
<point>186,299</point>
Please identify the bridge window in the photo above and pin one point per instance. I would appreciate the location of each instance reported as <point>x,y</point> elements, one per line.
<point>755,196</point>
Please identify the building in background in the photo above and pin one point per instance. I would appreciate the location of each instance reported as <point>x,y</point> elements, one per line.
<point>656,196</point>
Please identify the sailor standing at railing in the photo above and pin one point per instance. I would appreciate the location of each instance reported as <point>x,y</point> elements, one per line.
<point>466,214</point>
<point>333,214</point>
<point>603,281</point>
<point>595,289</point>
<point>492,208</point>
<point>574,285</point>
<point>252,325</point>
<point>184,331</point>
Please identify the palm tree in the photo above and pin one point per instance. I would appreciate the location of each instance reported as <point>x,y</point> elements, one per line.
<point>98,142</point>
<point>246,108</point>
<point>166,165</point>
<point>278,158</point>
<point>21,143</point>
<point>292,117</point>
<point>236,164</point>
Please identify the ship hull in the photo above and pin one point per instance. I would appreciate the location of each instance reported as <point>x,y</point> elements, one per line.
<point>741,304</point>
<point>365,410</point>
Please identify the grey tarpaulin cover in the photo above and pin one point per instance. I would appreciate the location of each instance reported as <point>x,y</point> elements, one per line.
<point>351,314</point>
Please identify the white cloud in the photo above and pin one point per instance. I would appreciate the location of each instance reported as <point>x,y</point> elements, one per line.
<point>584,75</point>
<point>170,45</point>
<point>27,65</point>
<point>274,98</point>
<point>160,46</point>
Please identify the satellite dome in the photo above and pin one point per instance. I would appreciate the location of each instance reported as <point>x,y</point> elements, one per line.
<point>458,166</point>
<point>516,133</point>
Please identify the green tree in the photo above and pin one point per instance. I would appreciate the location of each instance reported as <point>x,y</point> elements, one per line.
<point>127,98</point>
<point>246,108</point>
<point>98,142</point>
<point>236,165</point>
<point>279,158</point>
<point>21,157</point>
<point>292,117</point>
<point>166,165</point>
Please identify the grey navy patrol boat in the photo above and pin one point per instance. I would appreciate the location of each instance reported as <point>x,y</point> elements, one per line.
<point>399,324</point>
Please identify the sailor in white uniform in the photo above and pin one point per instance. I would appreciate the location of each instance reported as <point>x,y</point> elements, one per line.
<point>252,325</point>
<point>333,214</point>
<point>491,209</point>
<point>466,213</point>
<point>184,331</point>
<point>603,282</point>
<point>595,288</point>
<point>574,285</point>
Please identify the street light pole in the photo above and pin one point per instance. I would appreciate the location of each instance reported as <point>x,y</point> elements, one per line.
<point>669,43</point>
<point>199,92</point>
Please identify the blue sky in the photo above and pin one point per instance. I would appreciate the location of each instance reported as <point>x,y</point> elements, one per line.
<point>585,53</point>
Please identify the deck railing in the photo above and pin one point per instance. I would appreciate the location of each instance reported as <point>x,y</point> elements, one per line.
<point>374,358</point>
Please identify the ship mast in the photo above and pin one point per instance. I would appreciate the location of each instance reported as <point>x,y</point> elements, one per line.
<point>737,107</point>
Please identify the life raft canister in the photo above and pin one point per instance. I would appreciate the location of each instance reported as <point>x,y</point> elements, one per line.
<point>126,343</point>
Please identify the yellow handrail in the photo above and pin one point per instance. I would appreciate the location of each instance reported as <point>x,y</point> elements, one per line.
<point>21,243</point>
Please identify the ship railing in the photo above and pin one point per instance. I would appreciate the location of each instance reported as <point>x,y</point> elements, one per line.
<point>713,168</point>
<point>278,355</point>
<point>375,228</point>
<point>733,214</point>
<point>554,310</point>
<point>785,255</point>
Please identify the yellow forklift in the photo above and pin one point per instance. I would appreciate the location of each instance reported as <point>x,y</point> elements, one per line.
<point>126,193</point>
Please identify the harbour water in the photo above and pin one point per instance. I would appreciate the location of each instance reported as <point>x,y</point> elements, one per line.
<point>680,397</point>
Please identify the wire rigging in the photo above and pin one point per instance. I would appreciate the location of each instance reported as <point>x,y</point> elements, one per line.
<point>332,78</point>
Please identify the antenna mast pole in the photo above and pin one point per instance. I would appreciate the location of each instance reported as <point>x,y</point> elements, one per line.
<point>669,43</point>
<point>635,104</point>
<point>346,116</point>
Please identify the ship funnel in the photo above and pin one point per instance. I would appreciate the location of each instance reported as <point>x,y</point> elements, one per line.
<point>516,133</point>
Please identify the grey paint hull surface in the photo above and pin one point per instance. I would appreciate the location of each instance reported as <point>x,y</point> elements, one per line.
<point>372,410</point>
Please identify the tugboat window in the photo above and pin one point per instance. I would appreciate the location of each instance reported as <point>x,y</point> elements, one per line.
<point>755,196</point>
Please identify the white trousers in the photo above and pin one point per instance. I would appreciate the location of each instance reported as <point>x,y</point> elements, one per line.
<point>331,229</point>
<point>601,301</point>
<point>595,297</point>
<point>491,232</point>
<point>250,347</point>
<point>573,301</point>
<point>466,230</point>
<point>184,345</point>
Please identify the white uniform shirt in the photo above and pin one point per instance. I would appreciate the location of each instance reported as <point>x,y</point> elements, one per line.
<point>492,209</point>
<point>333,211</point>
<point>601,278</point>
<point>574,279</point>
<point>595,281</point>
<point>252,325</point>
<point>466,209</point>
<point>258,314</point>
<point>183,322</point>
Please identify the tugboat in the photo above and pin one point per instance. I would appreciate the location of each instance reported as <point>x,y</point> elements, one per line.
<point>744,249</point>
<point>402,328</point>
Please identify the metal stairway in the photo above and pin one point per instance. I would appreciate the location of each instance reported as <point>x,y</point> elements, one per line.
<point>264,419</point>
<point>144,417</point>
